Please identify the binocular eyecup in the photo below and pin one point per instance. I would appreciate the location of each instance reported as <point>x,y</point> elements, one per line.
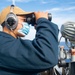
<point>30,18</point>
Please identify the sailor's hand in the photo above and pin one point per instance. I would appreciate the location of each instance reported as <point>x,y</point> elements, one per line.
<point>41,15</point>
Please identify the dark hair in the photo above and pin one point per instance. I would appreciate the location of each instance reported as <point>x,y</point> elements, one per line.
<point>3,24</point>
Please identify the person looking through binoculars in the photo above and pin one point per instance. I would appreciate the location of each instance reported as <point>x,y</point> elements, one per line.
<point>26,57</point>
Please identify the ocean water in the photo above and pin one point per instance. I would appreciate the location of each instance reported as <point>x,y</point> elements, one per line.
<point>63,44</point>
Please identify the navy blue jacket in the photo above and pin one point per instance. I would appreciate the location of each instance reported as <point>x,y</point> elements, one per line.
<point>26,57</point>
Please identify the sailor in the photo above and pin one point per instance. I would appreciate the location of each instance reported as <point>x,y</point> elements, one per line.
<point>25,57</point>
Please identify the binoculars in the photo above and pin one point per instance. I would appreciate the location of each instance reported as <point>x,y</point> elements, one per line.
<point>30,18</point>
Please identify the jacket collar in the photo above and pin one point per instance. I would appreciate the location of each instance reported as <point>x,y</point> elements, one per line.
<point>6,35</point>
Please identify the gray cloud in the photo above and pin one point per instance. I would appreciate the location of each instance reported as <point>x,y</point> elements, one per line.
<point>61,9</point>
<point>21,0</point>
<point>50,1</point>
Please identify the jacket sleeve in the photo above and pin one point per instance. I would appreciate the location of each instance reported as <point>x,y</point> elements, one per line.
<point>38,54</point>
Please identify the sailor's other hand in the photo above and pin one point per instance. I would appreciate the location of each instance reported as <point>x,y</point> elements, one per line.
<point>41,15</point>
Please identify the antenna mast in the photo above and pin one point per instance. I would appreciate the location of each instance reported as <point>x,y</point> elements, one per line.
<point>13,2</point>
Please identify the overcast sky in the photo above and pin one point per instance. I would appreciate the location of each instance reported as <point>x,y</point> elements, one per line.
<point>61,10</point>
